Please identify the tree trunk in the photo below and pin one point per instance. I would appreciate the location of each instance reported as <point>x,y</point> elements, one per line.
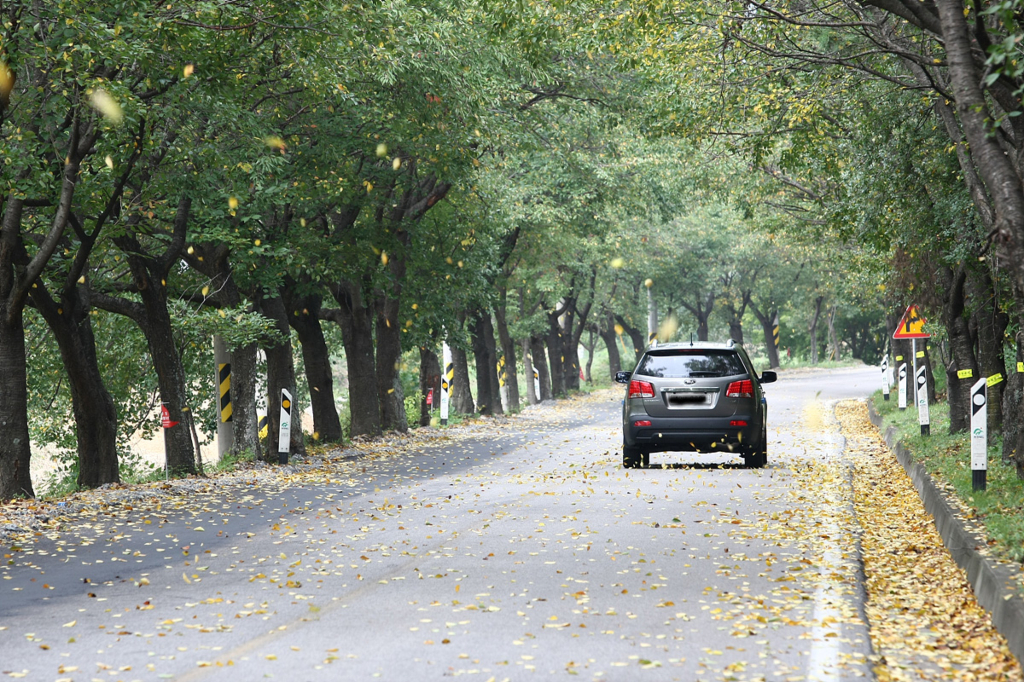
<point>591,342</point>
<point>244,420</point>
<point>812,328</point>
<point>430,380</point>
<point>508,348</point>
<point>1013,399</point>
<point>929,371</point>
<point>15,452</point>
<point>556,359</point>
<point>736,329</point>
<point>356,322</point>
<point>991,326</point>
<point>767,326</point>
<point>487,391</point>
<point>611,342</point>
<point>635,335</point>
<point>92,406</point>
<point>570,349</point>
<point>281,375</point>
<point>702,327</point>
<point>833,340</point>
<point>303,315</point>
<point>540,363</point>
<point>960,349</point>
<point>389,359</point>
<point>462,396</point>
<point>171,378</point>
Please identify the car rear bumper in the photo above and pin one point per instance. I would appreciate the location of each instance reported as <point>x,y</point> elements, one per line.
<point>692,434</point>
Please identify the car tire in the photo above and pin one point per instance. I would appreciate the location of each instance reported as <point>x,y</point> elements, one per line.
<point>631,457</point>
<point>758,456</point>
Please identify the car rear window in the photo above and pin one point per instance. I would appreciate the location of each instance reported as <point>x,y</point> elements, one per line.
<point>687,363</point>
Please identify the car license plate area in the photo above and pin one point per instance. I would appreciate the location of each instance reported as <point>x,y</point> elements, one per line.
<point>684,400</point>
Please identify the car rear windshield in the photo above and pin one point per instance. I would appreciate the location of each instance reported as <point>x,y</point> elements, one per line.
<point>695,363</point>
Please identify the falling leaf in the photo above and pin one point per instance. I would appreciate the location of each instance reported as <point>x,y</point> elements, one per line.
<point>106,105</point>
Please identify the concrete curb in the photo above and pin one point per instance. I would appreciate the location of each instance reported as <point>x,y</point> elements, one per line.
<point>994,583</point>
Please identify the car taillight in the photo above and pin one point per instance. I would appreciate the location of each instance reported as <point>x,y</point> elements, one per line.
<point>737,422</point>
<point>740,389</point>
<point>642,422</point>
<point>640,389</point>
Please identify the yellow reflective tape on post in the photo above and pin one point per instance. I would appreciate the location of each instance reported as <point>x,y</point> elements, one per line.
<point>994,379</point>
<point>653,336</point>
<point>264,426</point>
<point>1020,367</point>
<point>964,373</point>
<point>920,353</point>
<point>224,381</point>
<point>898,358</point>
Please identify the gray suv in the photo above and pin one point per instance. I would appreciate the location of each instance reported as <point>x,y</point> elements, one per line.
<point>701,397</point>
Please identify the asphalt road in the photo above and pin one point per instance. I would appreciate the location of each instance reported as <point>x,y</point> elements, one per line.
<point>528,552</point>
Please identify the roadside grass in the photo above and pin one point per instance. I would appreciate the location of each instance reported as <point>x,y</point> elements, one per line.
<point>1000,507</point>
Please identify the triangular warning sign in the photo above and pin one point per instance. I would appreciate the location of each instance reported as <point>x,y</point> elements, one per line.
<point>912,325</point>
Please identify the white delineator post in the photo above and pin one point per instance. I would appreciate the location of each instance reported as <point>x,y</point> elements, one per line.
<point>902,387</point>
<point>922,400</point>
<point>446,381</point>
<point>979,434</point>
<point>284,439</point>
<point>885,377</point>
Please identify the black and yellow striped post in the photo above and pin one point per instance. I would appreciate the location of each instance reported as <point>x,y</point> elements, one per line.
<point>263,424</point>
<point>224,386</point>
<point>775,332</point>
<point>446,381</point>
<point>225,431</point>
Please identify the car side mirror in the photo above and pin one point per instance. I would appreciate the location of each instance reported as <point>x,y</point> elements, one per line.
<point>768,377</point>
<point>622,377</point>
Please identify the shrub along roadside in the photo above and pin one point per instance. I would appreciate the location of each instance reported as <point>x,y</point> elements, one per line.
<point>946,457</point>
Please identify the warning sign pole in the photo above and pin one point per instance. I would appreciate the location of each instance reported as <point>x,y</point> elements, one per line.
<point>225,433</point>
<point>979,434</point>
<point>446,381</point>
